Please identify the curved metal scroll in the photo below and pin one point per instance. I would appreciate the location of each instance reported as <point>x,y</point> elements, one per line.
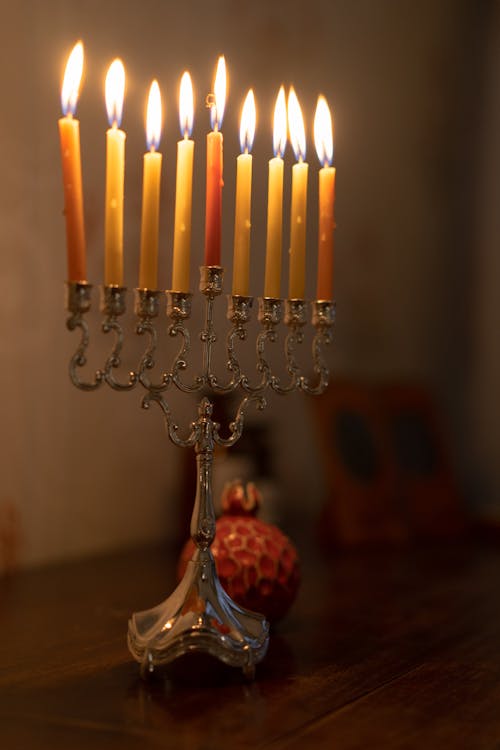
<point>79,358</point>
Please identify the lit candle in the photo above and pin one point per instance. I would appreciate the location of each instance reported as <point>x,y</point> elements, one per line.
<point>148,272</point>
<point>183,189</point>
<point>323,139</point>
<point>69,134</point>
<point>115,174</point>
<point>213,217</point>
<point>297,278</point>
<point>272,282</point>
<point>242,218</point>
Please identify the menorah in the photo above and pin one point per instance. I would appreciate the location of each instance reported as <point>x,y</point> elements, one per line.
<point>199,615</point>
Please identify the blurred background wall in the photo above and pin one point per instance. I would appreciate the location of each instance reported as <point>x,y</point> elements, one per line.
<point>414,89</point>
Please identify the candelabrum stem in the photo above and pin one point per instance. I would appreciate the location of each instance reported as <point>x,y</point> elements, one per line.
<point>211,278</point>
<point>203,518</point>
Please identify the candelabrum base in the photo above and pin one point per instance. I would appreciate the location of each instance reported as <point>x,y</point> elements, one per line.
<point>198,617</point>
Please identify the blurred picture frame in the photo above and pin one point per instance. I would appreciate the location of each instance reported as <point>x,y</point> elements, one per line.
<point>388,473</point>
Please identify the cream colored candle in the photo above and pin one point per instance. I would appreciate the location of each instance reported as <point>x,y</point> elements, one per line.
<point>115,175</point>
<point>242,217</point>
<point>183,190</point>
<point>69,134</point>
<point>298,213</point>
<point>274,239</point>
<point>213,214</point>
<point>323,138</point>
<point>148,271</point>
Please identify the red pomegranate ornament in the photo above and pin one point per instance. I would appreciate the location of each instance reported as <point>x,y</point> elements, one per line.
<point>257,564</point>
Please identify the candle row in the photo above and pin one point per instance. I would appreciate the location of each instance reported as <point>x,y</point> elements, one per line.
<point>286,119</point>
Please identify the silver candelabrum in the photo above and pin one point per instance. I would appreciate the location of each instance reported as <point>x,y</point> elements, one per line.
<point>199,615</point>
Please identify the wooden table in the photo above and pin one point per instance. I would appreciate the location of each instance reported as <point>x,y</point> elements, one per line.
<point>397,650</point>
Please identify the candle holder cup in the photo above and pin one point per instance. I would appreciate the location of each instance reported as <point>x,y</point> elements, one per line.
<point>199,615</point>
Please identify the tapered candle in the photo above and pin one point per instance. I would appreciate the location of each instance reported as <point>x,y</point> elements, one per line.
<point>242,218</point>
<point>298,214</point>
<point>69,135</point>
<point>115,175</point>
<point>274,240</point>
<point>323,139</point>
<point>213,216</point>
<point>148,271</point>
<point>183,189</point>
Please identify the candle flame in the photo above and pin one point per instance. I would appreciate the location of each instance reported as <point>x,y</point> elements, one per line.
<point>247,124</point>
<point>115,91</point>
<point>323,132</point>
<point>154,117</point>
<point>279,129</point>
<point>219,98</point>
<point>72,78</point>
<point>296,126</point>
<point>186,105</point>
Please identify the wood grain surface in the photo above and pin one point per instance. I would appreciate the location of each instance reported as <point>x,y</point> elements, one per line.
<point>398,650</point>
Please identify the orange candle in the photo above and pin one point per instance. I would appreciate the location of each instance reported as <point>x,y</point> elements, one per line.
<point>148,271</point>
<point>242,218</point>
<point>323,138</point>
<point>298,212</point>
<point>213,213</point>
<point>69,135</point>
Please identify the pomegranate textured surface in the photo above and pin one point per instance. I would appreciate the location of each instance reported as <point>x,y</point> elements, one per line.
<point>257,564</point>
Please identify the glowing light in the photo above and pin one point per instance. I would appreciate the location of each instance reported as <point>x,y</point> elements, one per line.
<point>115,91</point>
<point>247,124</point>
<point>219,99</point>
<point>72,78</point>
<point>296,126</point>
<point>154,117</point>
<point>323,132</point>
<point>279,127</point>
<point>186,105</point>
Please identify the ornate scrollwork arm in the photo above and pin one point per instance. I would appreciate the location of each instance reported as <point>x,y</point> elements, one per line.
<point>295,318</point>
<point>78,301</point>
<point>147,305</point>
<point>79,358</point>
<point>179,311</point>
<point>323,320</point>
<point>270,313</point>
<point>236,426</point>
<point>113,305</point>
<point>239,313</point>
<point>171,426</point>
